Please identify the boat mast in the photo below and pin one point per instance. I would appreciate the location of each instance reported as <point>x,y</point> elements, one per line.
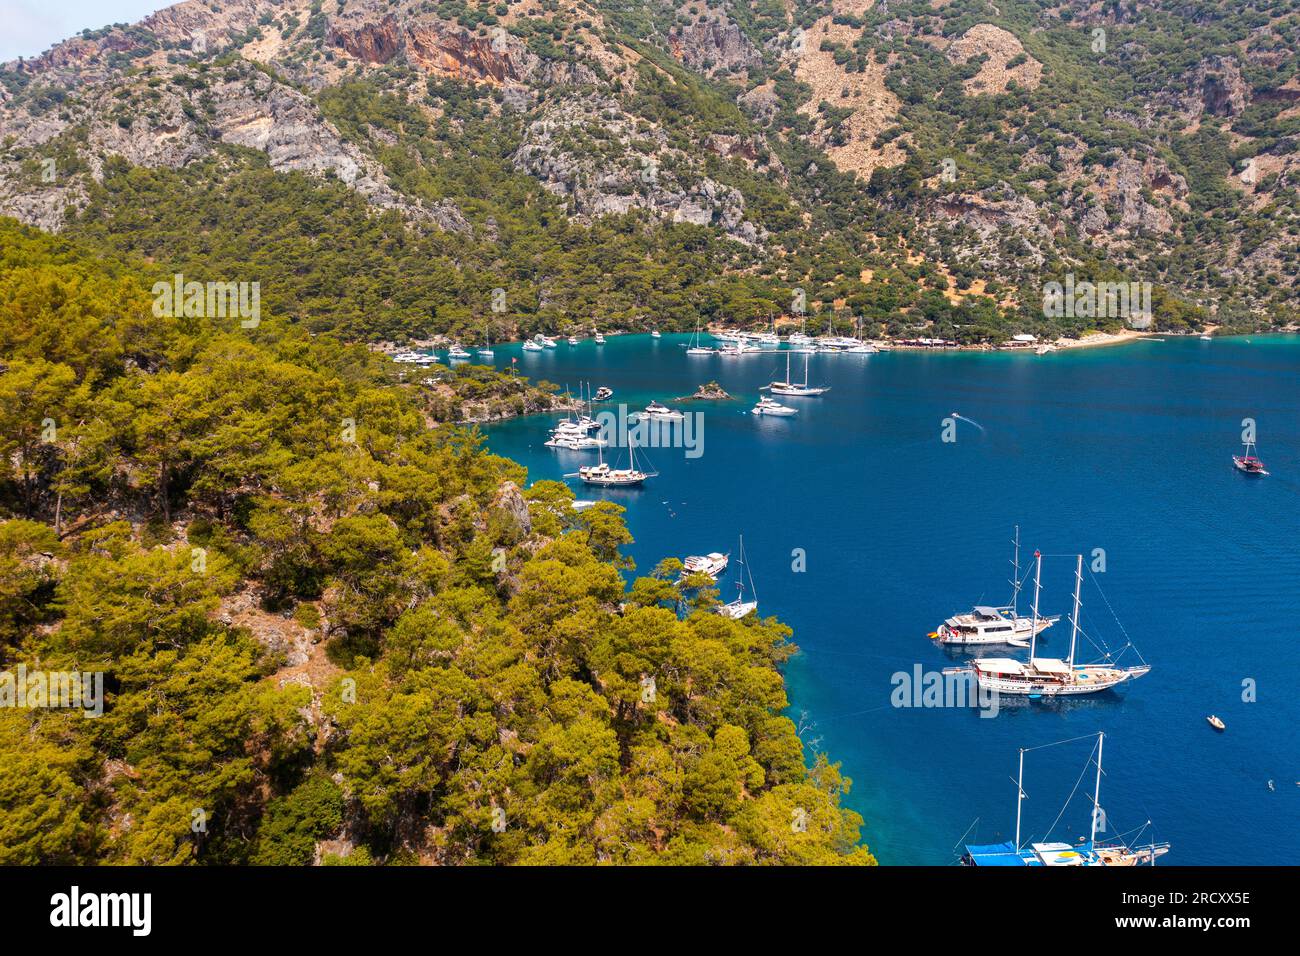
<point>1096,792</point>
<point>1074,618</point>
<point>806,357</point>
<point>1020,795</point>
<point>1015,574</point>
<point>1033,630</point>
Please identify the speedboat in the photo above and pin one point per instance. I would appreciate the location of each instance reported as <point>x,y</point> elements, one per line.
<point>1216,723</point>
<point>603,394</point>
<point>655,334</point>
<point>766,406</point>
<point>660,413</point>
<point>573,340</point>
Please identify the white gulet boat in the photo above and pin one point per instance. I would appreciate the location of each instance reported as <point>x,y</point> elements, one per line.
<point>1090,853</point>
<point>796,389</point>
<point>1049,676</point>
<point>604,476</point>
<point>740,607</point>
<point>996,625</point>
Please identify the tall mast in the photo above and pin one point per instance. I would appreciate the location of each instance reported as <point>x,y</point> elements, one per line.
<point>806,357</point>
<point>1015,573</point>
<point>1074,618</point>
<point>1033,630</point>
<point>1020,796</point>
<point>1096,791</point>
<point>787,368</point>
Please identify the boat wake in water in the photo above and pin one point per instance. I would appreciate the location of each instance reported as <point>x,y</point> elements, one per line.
<point>970,420</point>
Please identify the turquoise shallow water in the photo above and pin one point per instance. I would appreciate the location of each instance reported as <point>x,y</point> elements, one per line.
<point>1126,449</point>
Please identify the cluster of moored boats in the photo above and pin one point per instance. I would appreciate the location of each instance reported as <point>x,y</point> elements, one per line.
<point>712,566</point>
<point>1039,676</point>
<point>732,344</point>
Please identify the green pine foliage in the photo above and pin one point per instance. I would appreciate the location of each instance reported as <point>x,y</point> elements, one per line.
<point>475,688</point>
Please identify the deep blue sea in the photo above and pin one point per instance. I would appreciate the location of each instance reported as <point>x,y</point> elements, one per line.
<point>1125,448</point>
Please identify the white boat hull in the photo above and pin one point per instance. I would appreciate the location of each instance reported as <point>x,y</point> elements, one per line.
<point>1095,680</point>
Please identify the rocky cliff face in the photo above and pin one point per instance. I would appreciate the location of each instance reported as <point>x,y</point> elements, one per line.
<point>594,100</point>
<point>160,121</point>
<point>713,44</point>
<point>594,154</point>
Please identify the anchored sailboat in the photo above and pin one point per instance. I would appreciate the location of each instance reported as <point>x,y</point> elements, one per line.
<point>603,475</point>
<point>740,607</point>
<point>995,625</point>
<point>1248,462</point>
<point>794,388</point>
<point>1049,676</point>
<point>1091,853</point>
<point>695,348</point>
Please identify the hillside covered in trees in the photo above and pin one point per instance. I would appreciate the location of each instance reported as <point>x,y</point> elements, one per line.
<point>381,168</point>
<point>333,632</point>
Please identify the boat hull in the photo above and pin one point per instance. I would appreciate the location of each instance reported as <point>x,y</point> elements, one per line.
<point>1088,680</point>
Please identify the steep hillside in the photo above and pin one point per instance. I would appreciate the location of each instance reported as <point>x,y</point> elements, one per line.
<point>915,164</point>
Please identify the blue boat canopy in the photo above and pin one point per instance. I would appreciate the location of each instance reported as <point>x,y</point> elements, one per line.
<point>997,854</point>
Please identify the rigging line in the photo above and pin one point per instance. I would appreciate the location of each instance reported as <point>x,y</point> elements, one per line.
<point>1057,743</point>
<point>1118,622</point>
<point>1064,806</point>
<point>855,713</point>
<point>962,839</point>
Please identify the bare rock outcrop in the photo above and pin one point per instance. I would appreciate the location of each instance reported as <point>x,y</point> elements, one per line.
<point>713,44</point>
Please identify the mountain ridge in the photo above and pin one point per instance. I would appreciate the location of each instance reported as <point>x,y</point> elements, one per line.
<point>960,146</point>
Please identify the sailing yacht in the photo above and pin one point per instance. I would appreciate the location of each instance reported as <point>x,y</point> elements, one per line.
<point>740,607</point>
<point>795,389</point>
<point>767,406</point>
<point>486,350</point>
<point>994,625</point>
<point>694,347</point>
<point>603,475</point>
<point>1248,462</point>
<point>1090,853</point>
<point>1048,676</point>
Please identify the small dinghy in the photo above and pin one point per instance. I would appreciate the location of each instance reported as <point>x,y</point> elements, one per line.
<point>1216,723</point>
